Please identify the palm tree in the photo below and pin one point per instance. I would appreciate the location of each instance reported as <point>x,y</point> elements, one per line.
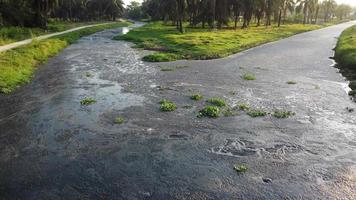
<point>329,6</point>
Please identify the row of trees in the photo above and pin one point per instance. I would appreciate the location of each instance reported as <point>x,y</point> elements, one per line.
<point>218,13</point>
<point>35,13</point>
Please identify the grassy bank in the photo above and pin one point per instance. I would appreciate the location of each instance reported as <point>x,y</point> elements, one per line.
<point>345,56</point>
<point>198,43</point>
<point>345,51</point>
<point>14,34</point>
<point>17,66</point>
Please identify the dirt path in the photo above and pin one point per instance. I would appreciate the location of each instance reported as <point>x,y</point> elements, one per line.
<point>43,37</point>
<point>51,147</point>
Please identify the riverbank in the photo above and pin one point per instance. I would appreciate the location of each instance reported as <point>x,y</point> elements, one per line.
<point>13,34</point>
<point>345,56</point>
<point>18,65</point>
<point>202,44</point>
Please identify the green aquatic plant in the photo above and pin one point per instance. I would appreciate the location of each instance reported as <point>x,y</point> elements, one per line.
<point>249,77</point>
<point>119,120</point>
<point>291,82</point>
<point>196,97</point>
<point>217,102</point>
<point>167,106</point>
<point>243,106</point>
<point>256,113</point>
<point>87,101</point>
<point>210,111</point>
<point>282,114</point>
<point>240,168</point>
<point>229,112</point>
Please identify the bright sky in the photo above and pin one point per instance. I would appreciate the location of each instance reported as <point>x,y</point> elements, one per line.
<point>350,2</point>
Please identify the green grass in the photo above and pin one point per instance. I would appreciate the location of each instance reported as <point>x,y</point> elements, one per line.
<point>217,102</point>
<point>196,97</point>
<point>249,77</point>
<point>198,43</point>
<point>18,65</point>
<point>87,101</point>
<point>14,34</point>
<point>256,113</point>
<point>209,111</point>
<point>345,51</point>
<point>167,106</point>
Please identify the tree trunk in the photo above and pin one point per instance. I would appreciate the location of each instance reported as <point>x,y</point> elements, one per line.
<point>279,17</point>
<point>316,15</point>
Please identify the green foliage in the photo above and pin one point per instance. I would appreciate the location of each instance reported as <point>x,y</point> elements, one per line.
<point>249,77</point>
<point>291,82</point>
<point>199,43</point>
<point>240,168</point>
<point>17,65</point>
<point>345,51</point>
<point>282,114</point>
<point>196,97</point>
<point>256,113</point>
<point>87,101</point>
<point>210,111</point>
<point>119,120</point>
<point>167,106</point>
<point>217,102</point>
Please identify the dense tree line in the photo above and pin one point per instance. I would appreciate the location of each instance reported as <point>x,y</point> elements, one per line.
<point>218,13</point>
<point>35,13</point>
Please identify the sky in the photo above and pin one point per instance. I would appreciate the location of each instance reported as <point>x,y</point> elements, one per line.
<point>350,2</point>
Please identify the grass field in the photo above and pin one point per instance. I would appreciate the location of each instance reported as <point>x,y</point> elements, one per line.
<point>198,43</point>
<point>18,65</point>
<point>13,34</point>
<point>345,51</point>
